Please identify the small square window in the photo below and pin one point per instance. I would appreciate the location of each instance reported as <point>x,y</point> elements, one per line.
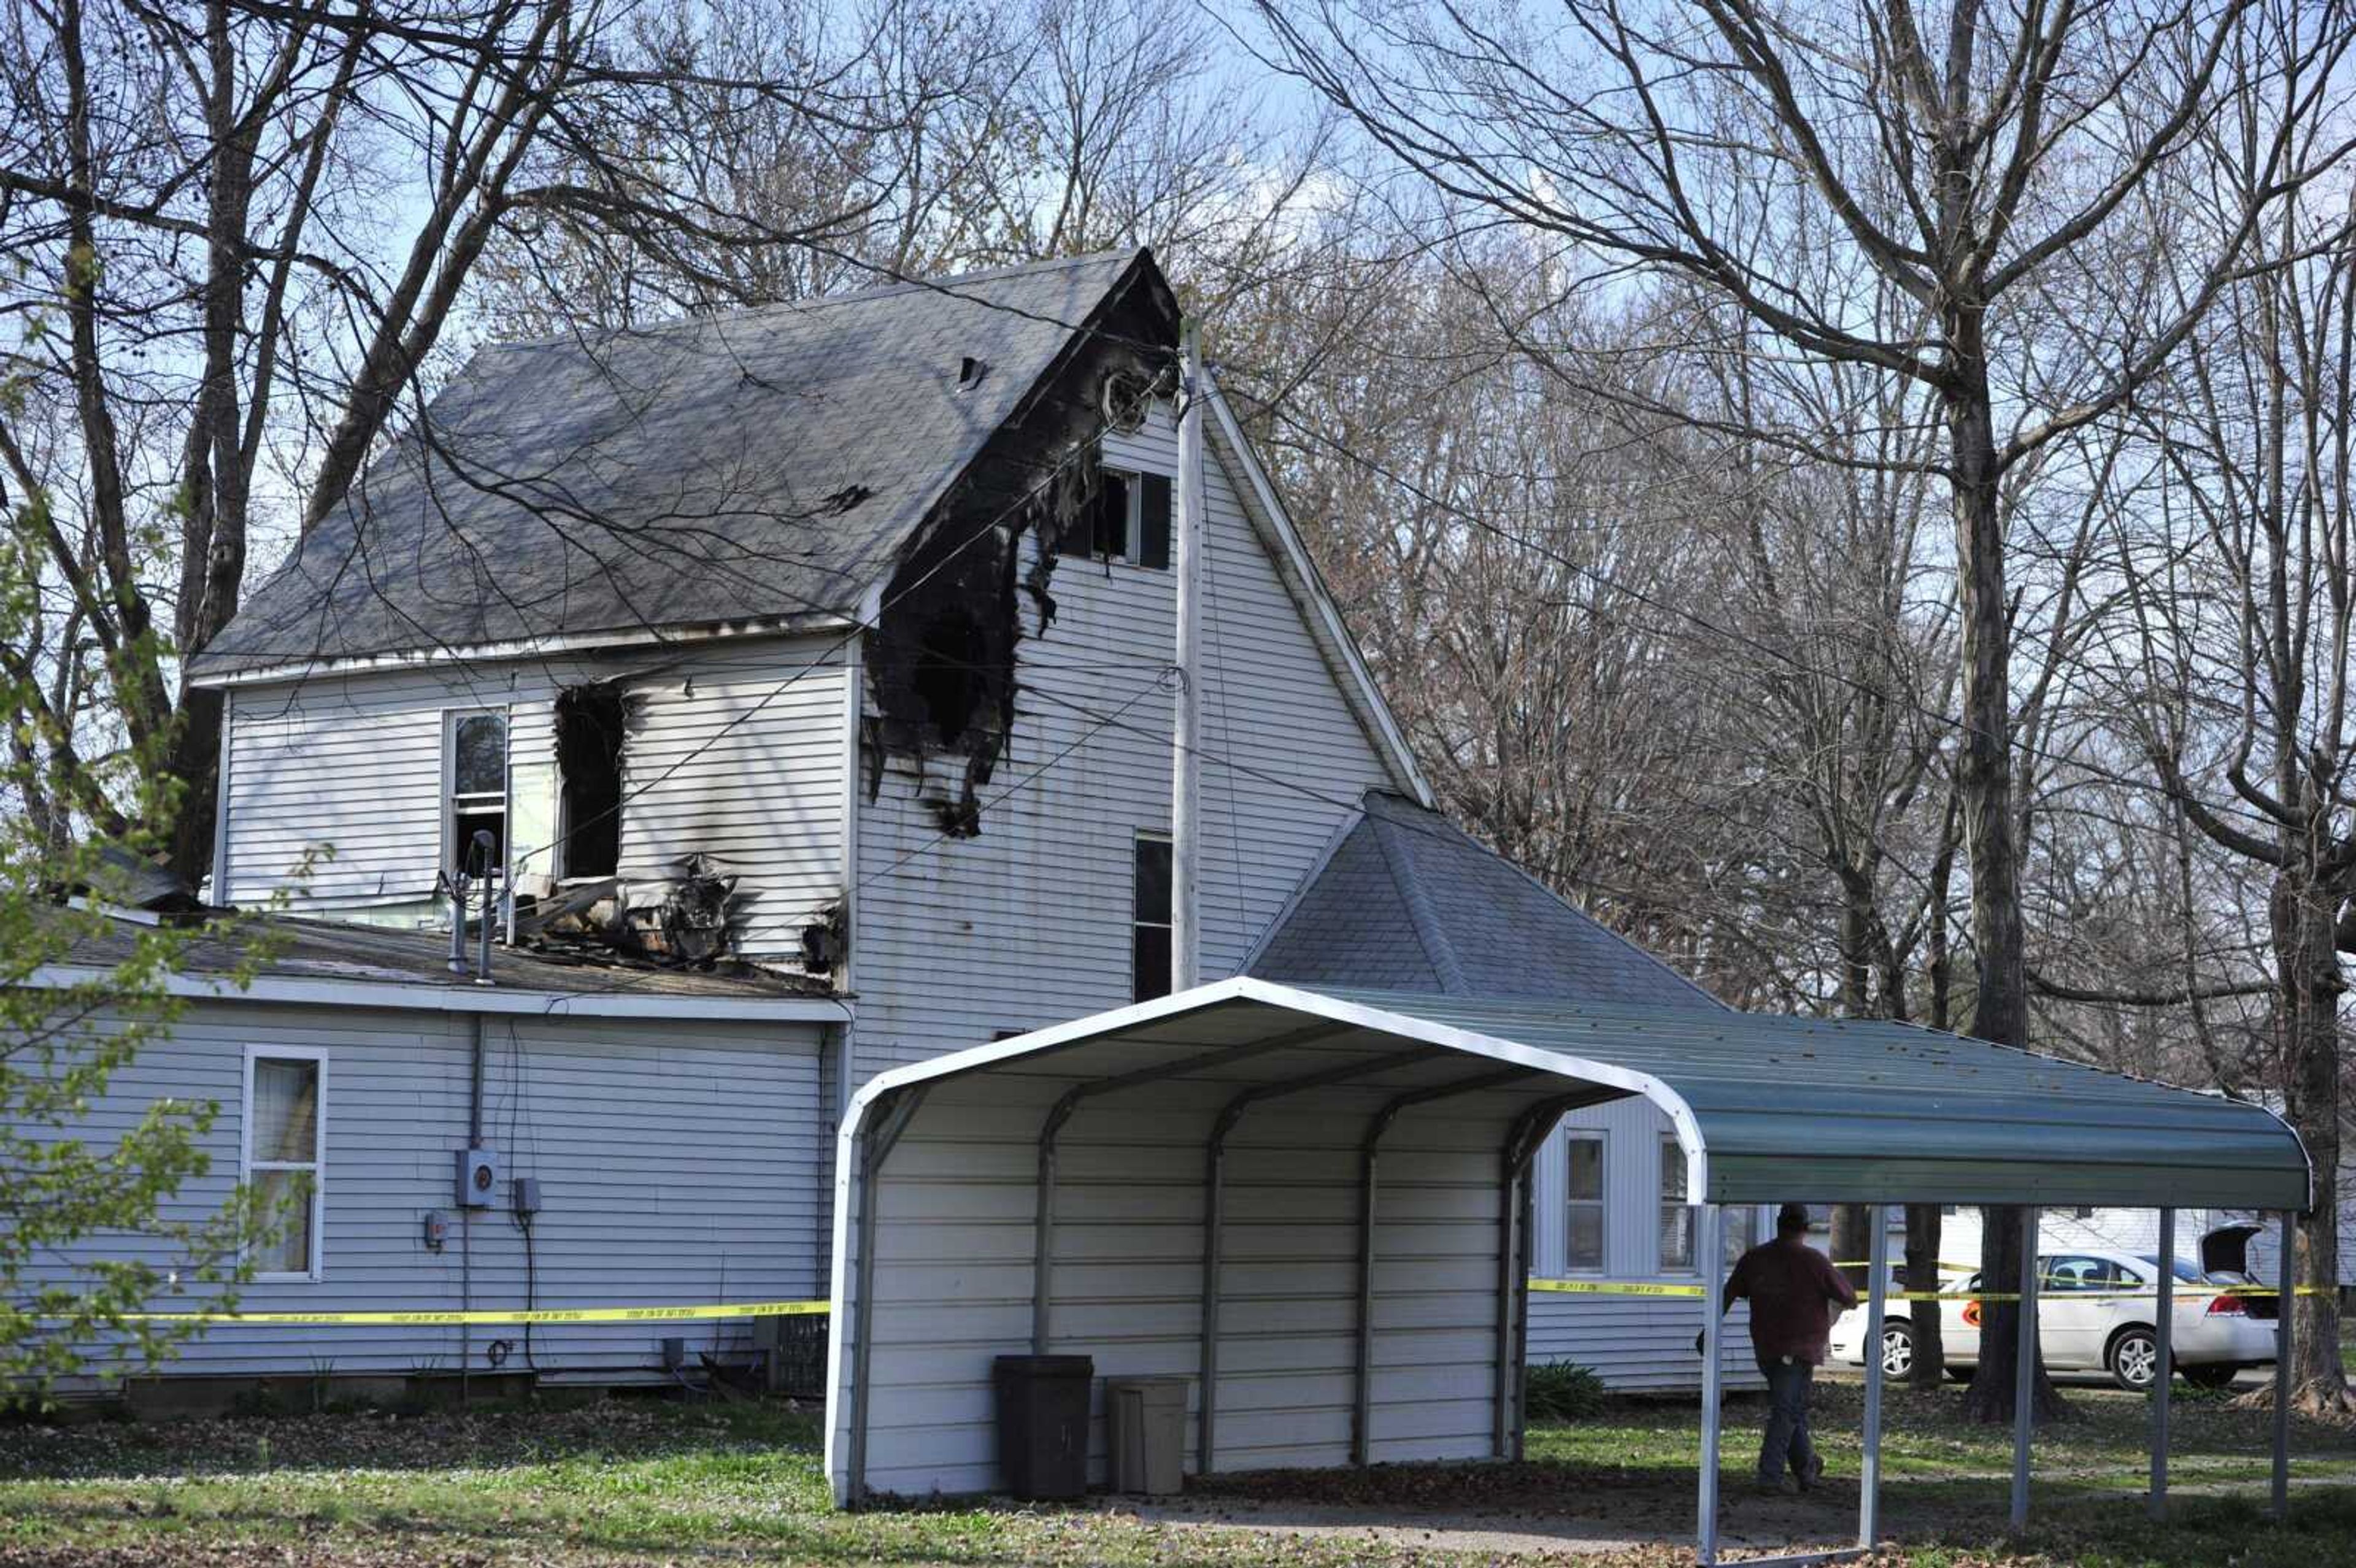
<point>1127,521</point>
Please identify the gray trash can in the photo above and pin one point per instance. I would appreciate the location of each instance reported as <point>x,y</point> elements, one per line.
<point>1146,1431</point>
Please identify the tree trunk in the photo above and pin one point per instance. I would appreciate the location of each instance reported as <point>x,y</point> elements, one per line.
<point>1853,1241</point>
<point>2303,914</point>
<point>1923,1223</point>
<point>1983,782</point>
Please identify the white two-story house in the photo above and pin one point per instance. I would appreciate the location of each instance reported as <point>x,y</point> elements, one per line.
<point>813,665</point>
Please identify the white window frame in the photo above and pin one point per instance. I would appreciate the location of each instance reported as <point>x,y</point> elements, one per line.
<point>1673,1158</point>
<point>452,852</point>
<point>1601,1138</point>
<point>246,1166</point>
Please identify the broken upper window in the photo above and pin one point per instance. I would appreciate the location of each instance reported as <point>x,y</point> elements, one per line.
<point>949,675</point>
<point>1129,520</point>
<point>589,728</point>
<point>1150,926</point>
<point>478,792</point>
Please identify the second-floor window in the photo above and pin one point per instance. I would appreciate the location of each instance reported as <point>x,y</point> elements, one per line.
<point>1582,1250</point>
<point>479,790</point>
<point>1128,521</point>
<point>1149,924</point>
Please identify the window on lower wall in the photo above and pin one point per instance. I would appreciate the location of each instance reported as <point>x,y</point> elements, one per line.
<point>1677,1214</point>
<point>478,771</point>
<point>284,1157</point>
<point>1582,1251</point>
<point>1150,924</point>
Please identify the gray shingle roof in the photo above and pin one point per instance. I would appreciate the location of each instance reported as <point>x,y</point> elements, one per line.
<point>1406,901</point>
<point>752,466</point>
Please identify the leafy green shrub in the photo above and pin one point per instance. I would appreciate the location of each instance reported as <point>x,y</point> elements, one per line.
<point>1563,1390</point>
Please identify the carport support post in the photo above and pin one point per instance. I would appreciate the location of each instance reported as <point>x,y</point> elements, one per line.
<point>1869,1488</point>
<point>2285,1312</point>
<point>2165,1331</point>
<point>1705,1547</point>
<point>2024,1377</point>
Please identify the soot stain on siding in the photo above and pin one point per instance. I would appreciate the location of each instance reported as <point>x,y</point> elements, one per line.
<point>943,663</point>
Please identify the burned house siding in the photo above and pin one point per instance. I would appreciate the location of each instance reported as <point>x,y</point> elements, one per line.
<point>959,939</point>
<point>733,749</point>
<point>676,1161</point>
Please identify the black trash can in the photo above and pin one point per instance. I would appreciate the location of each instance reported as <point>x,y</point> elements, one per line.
<point>1043,1425</point>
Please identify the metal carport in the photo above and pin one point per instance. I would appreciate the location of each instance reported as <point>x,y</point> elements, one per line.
<point>1314,1203</point>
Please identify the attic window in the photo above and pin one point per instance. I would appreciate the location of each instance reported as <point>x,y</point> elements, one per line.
<point>478,771</point>
<point>949,675</point>
<point>589,730</point>
<point>1128,521</point>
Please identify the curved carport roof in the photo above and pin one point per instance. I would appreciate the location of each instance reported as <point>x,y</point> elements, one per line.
<point>1070,1189</point>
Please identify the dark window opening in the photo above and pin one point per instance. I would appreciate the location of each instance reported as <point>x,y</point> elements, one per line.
<point>589,730</point>
<point>1149,935</point>
<point>949,675</point>
<point>1127,521</point>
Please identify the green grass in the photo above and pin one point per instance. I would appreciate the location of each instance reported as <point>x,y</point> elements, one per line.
<point>643,1481</point>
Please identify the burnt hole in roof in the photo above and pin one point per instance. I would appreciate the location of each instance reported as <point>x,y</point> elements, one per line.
<point>844,500</point>
<point>971,372</point>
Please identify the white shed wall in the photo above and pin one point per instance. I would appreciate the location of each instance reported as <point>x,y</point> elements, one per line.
<point>734,748</point>
<point>954,1274</point>
<point>959,940</point>
<point>677,1162</point>
<point>1634,1343</point>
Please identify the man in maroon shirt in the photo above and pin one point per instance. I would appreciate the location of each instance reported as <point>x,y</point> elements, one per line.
<point>1795,1294</point>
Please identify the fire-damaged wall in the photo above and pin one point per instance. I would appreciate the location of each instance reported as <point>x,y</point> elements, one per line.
<point>943,664</point>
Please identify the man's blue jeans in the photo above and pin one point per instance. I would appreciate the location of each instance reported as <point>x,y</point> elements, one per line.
<point>1787,1441</point>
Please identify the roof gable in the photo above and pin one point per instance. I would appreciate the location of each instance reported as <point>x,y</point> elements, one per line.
<point>765,466</point>
<point>1406,901</point>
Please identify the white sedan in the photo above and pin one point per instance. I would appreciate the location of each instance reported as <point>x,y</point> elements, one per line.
<point>2096,1312</point>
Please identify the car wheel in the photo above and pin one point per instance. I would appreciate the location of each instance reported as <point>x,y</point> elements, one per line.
<point>2211,1374</point>
<point>1897,1350</point>
<point>2135,1359</point>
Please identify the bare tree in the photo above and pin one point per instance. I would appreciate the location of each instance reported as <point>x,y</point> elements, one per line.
<point>1962,161</point>
<point>2238,549</point>
<point>242,230</point>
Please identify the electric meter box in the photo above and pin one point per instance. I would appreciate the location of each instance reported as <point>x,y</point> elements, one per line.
<point>478,1176</point>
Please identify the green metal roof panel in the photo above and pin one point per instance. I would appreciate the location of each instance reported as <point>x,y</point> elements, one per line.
<point>1825,1110</point>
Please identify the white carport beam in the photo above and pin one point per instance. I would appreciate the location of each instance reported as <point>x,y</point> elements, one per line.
<point>2166,1375</point>
<point>2024,1374</point>
<point>876,1147</point>
<point>1868,1489</point>
<point>1043,1258</point>
<point>2285,1315</point>
<point>1215,1180</point>
<point>1712,1377</point>
<point>1362,1417</point>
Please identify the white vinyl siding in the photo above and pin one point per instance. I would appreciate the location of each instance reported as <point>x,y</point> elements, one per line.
<point>1029,923</point>
<point>677,1161</point>
<point>734,749</point>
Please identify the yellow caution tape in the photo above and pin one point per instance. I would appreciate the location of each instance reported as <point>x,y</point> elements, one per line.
<point>539,1315</point>
<point>1614,1288</point>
